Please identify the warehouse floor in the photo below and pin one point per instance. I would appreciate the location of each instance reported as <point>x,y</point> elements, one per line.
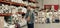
<point>53,25</point>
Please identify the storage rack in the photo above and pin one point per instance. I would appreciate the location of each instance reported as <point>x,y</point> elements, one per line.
<point>15,4</point>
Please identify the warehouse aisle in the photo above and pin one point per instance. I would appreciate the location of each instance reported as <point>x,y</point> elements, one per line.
<point>53,25</point>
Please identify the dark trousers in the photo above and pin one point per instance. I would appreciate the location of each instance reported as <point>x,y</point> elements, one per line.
<point>30,25</point>
<point>47,20</point>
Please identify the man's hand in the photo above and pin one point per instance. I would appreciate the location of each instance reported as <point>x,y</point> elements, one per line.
<point>28,19</point>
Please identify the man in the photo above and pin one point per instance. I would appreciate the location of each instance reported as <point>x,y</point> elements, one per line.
<point>29,17</point>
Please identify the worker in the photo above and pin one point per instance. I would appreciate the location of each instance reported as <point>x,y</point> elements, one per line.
<point>30,17</point>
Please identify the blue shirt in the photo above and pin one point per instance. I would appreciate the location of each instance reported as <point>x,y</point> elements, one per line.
<point>31,14</point>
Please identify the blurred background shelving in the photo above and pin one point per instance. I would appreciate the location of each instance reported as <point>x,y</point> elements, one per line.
<point>33,4</point>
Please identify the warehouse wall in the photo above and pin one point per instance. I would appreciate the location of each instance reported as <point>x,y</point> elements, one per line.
<point>51,2</point>
<point>59,4</point>
<point>40,3</point>
<point>48,2</point>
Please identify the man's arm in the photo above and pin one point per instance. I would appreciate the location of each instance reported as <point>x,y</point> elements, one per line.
<point>27,17</point>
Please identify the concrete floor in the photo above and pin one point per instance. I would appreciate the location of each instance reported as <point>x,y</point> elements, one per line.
<point>53,25</point>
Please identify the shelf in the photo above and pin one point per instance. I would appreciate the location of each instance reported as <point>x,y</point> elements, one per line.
<point>20,13</point>
<point>12,3</point>
<point>34,1</point>
<point>9,14</point>
<point>6,14</point>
